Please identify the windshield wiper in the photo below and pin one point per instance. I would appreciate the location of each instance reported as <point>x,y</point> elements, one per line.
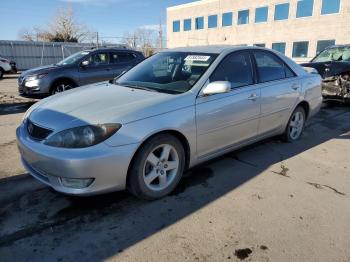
<point>141,88</point>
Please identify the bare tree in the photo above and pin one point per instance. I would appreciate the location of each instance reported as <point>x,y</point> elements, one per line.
<point>142,38</point>
<point>63,28</point>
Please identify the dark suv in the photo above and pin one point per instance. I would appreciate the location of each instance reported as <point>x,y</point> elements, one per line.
<point>333,64</point>
<point>85,67</point>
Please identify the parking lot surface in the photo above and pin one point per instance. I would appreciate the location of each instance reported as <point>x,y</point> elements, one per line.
<point>271,201</point>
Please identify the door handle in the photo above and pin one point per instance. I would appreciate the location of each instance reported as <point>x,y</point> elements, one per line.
<point>108,69</point>
<point>253,97</point>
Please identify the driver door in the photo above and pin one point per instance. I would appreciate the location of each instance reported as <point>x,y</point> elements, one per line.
<point>98,69</point>
<point>228,119</point>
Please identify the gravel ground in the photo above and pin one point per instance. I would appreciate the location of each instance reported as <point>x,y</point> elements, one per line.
<point>271,201</point>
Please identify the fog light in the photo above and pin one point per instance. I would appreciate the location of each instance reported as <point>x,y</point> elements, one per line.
<point>77,183</point>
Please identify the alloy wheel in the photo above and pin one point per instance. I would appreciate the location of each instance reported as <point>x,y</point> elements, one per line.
<point>296,125</point>
<point>61,88</point>
<point>161,167</point>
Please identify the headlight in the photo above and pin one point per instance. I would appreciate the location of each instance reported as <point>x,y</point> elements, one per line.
<point>83,136</point>
<point>35,77</point>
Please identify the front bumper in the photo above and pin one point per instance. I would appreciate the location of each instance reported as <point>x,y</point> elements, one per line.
<point>40,88</point>
<point>335,89</point>
<point>108,166</point>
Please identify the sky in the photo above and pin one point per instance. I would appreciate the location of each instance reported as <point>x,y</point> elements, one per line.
<point>108,17</point>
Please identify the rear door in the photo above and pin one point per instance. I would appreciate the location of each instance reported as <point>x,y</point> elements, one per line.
<point>280,89</point>
<point>98,70</point>
<point>122,61</point>
<point>230,118</point>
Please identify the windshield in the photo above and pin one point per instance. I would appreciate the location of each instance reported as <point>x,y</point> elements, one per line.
<point>73,58</point>
<point>333,54</point>
<point>169,72</point>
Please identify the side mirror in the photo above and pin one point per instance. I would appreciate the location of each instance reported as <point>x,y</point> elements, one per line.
<point>85,63</point>
<point>217,87</point>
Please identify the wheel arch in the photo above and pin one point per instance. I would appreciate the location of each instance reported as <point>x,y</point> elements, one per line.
<point>305,105</point>
<point>181,137</point>
<point>67,79</point>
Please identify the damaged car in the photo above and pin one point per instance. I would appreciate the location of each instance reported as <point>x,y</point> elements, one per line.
<point>333,64</point>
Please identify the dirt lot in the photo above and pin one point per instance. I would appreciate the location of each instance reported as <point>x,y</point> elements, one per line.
<point>269,202</point>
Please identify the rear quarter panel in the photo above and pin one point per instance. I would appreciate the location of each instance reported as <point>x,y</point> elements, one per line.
<point>312,92</point>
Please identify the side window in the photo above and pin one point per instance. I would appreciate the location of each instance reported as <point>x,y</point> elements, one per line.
<point>99,59</point>
<point>270,68</point>
<point>235,68</point>
<point>121,57</point>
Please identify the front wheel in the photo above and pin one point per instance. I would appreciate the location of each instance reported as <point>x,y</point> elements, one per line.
<point>1,73</point>
<point>157,167</point>
<point>295,125</point>
<point>61,87</point>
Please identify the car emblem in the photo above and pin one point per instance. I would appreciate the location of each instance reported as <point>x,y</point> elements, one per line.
<point>30,128</point>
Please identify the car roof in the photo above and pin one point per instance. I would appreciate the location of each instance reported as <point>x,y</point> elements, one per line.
<point>213,49</point>
<point>110,49</point>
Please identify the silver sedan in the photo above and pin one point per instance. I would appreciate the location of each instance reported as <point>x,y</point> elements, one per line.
<point>174,110</point>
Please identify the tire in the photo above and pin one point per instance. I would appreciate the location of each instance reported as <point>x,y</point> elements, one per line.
<point>154,172</point>
<point>61,86</point>
<point>295,126</point>
<point>1,73</point>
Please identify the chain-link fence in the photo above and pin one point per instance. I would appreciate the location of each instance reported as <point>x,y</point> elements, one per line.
<point>29,54</point>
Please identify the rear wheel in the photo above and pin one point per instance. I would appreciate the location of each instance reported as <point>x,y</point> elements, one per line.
<point>61,86</point>
<point>295,125</point>
<point>1,73</point>
<point>157,167</point>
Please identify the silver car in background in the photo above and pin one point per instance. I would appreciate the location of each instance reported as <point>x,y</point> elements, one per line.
<point>174,110</point>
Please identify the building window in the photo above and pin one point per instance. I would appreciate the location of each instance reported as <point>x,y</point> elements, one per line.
<point>176,26</point>
<point>280,47</point>
<point>282,11</point>
<point>323,44</point>
<point>199,23</point>
<point>300,49</point>
<point>243,17</point>
<point>187,25</point>
<point>227,19</point>
<point>330,7</point>
<point>261,14</point>
<point>305,8</point>
<point>260,45</point>
<point>212,21</point>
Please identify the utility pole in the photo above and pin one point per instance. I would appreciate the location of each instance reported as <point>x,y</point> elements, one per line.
<point>134,41</point>
<point>160,34</point>
<point>97,44</point>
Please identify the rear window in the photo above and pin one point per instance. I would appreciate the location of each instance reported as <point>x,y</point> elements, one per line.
<point>271,68</point>
<point>121,57</point>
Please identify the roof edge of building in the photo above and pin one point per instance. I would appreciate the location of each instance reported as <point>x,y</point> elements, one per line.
<point>200,2</point>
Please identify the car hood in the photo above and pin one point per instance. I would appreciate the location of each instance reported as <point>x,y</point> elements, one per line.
<point>103,103</point>
<point>40,70</point>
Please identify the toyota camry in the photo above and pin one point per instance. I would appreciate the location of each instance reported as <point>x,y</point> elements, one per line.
<point>172,111</point>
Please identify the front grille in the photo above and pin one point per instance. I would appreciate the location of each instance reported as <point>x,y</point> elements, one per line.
<point>37,132</point>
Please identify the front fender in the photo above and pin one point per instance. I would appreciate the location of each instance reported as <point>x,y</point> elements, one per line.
<point>181,120</point>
